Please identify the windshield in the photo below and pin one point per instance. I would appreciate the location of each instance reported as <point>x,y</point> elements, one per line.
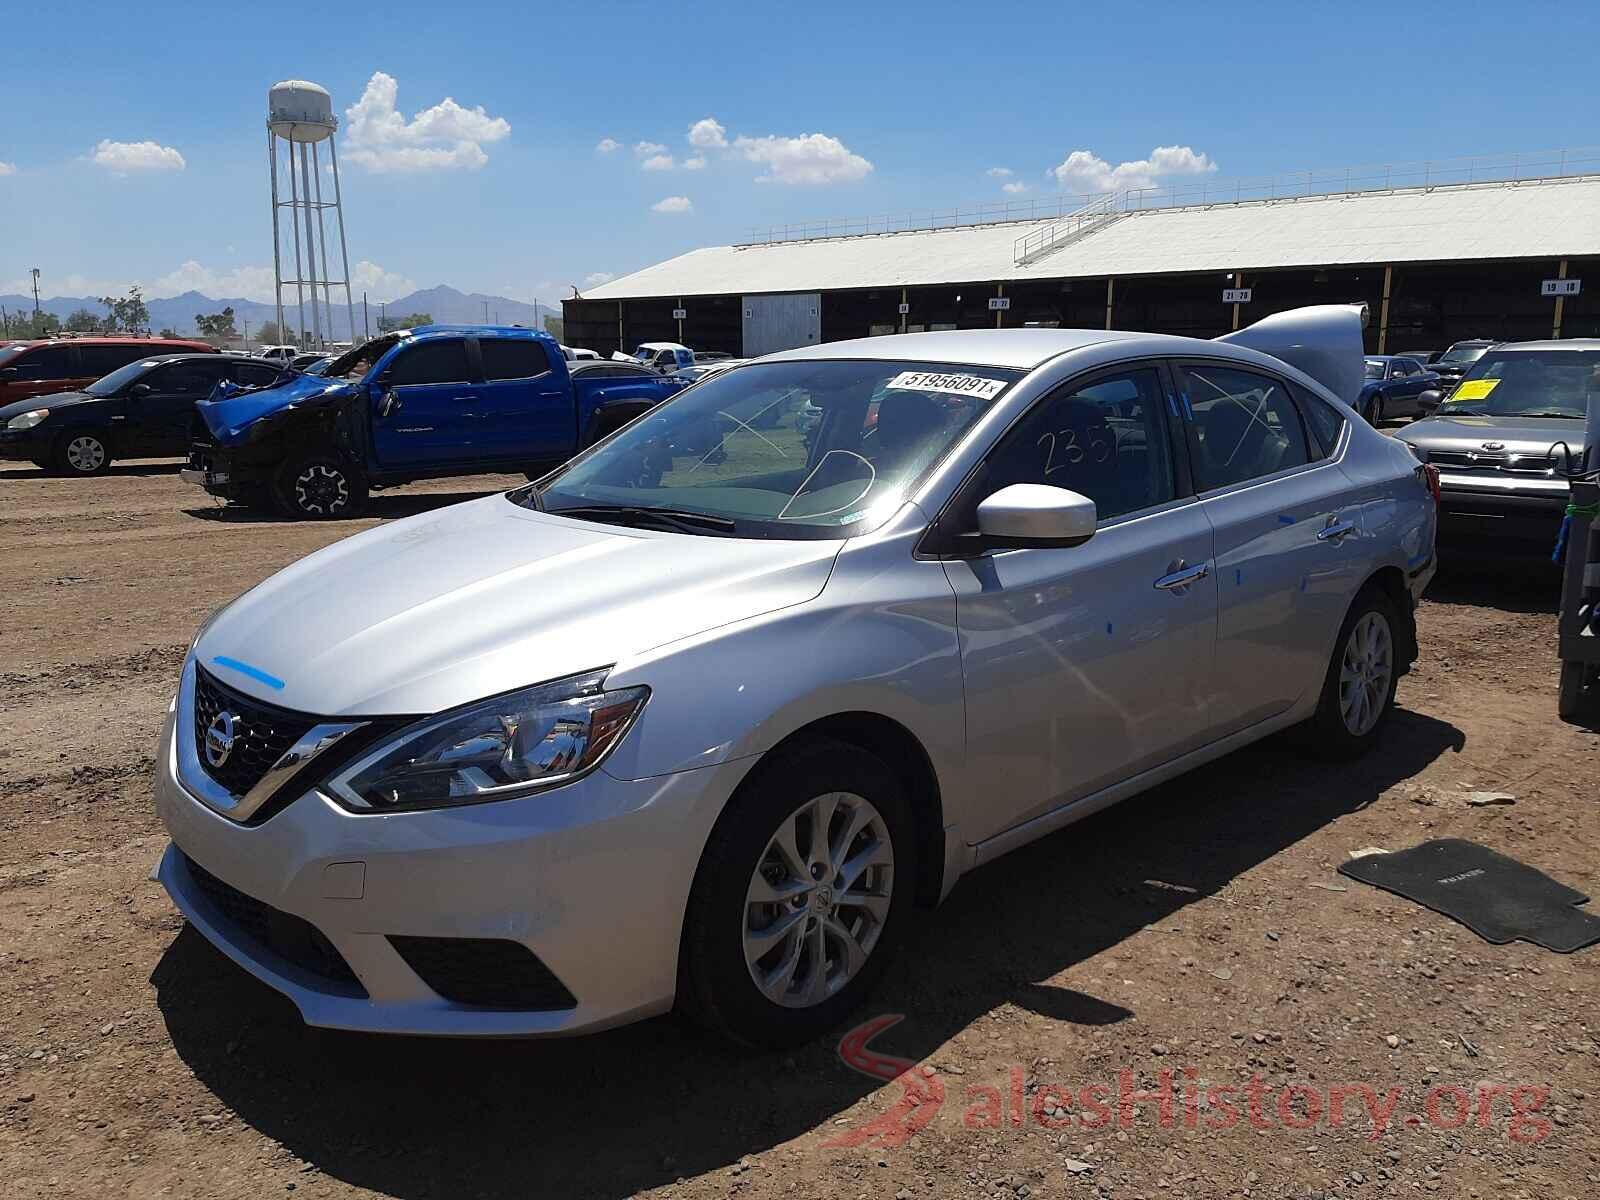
<point>353,365</point>
<point>1463,354</point>
<point>1374,368</point>
<point>783,449</point>
<point>1528,383</point>
<point>110,385</point>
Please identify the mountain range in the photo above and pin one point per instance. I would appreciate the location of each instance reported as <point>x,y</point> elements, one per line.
<point>445,304</point>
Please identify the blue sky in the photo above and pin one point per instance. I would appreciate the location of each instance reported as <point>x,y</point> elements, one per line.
<point>906,108</point>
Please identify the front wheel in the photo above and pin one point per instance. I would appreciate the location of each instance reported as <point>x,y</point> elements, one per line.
<point>1570,700</point>
<point>800,896</point>
<point>319,487</point>
<point>82,452</point>
<point>1358,690</point>
<point>1374,413</point>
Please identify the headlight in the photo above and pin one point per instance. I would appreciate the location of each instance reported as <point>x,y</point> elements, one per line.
<point>512,745</point>
<point>28,420</point>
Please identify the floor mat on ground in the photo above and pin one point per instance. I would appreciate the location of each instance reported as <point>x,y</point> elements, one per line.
<point>1498,898</point>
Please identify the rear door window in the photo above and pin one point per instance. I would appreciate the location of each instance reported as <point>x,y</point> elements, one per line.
<point>254,375</point>
<point>431,362</point>
<point>1242,425</point>
<point>513,358</point>
<point>45,363</point>
<point>102,360</point>
<point>186,378</point>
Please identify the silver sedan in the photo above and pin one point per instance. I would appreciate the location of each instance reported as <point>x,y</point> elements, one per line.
<point>696,720</point>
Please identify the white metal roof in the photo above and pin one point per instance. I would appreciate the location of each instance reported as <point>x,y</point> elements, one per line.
<point>1548,218</point>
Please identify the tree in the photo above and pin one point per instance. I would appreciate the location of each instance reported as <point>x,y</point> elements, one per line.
<point>81,320</point>
<point>169,332</point>
<point>269,334</point>
<point>218,326</point>
<point>409,321</point>
<point>556,327</point>
<point>24,325</point>
<point>128,312</point>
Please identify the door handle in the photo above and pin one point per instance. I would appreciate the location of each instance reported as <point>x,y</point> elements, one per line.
<point>1335,530</point>
<point>464,399</point>
<point>1181,576</point>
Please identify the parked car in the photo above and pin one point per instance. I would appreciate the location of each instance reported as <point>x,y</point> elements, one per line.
<point>144,409</point>
<point>665,357</point>
<point>42,368</point>
<point>1496,442</point>
<point>651,733</point>
<point>1394,387</point>
<point>284,353</point>
<point>577,353</point>
<point>304,362</point>
<point>1458,359</point>
<point>1425,357</point>
<point>701,369</point>
<point>418,403</point>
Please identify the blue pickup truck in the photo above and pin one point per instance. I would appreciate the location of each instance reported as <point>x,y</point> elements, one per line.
<point>419,403</point>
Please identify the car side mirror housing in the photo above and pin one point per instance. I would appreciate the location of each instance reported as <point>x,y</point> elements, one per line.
<point>8,373</point>
<point>1036,516</point>
<point>139,391</point>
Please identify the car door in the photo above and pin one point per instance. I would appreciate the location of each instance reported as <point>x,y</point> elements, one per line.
<point>526,404</point>
<point>424,408</point>
<point>159,407</point>
<point>1085,666</point>
<point>1287,538</point>
<point>42,371</point>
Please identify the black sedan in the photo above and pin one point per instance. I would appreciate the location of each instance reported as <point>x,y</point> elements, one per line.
<point>142,410</point>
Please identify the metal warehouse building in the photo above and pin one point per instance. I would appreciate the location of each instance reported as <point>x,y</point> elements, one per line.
<point>1438,253</point>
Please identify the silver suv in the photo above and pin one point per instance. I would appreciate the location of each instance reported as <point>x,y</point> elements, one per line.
<point>699,718</point>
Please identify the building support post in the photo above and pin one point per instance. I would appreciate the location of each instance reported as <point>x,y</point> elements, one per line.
<point>1111,297</point>
<point>1238,282</point>
<point>621,347</point>
<point>1561,302</point>
<point>1383,318</point>
<point>999,290</point>
<point>903,303</point>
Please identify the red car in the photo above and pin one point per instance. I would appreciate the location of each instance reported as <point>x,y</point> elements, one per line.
<point>42,368</point>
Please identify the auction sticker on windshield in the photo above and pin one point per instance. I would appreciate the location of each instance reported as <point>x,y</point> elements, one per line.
<point>1475,389</point>
<point>956,385</point>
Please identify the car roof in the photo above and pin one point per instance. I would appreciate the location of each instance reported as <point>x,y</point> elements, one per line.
<point>1024,348</point>
<point>1589,345</point>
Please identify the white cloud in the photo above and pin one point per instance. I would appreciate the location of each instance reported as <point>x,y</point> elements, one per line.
<point>810,159</point>
<point>648,149</point>
<point>379,284</point>
<point>658,162</point>
<point>7,169</point>
<point>673,204</point>
<point>1015,187</point>
<point>123,157</point>
<point>247,283</point>
<point>1000,172</point>
<point>697,163</point>
<point>1084,171</point>
<point>708,134</point>
<point>596,278</point>
<point>607,146</point>
<point>444,137</point>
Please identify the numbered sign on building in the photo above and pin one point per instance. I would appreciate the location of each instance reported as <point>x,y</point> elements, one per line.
<point>1561,287</point>
<point>904,309</point>
<point>999,303</point>
<point>1236,295</point>
<point>679,314</point>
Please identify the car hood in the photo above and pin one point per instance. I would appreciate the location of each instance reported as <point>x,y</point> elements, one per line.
<point>479,598</point>
<point>229,417</point>
<point>53,400</point>
<point>1521,435</point>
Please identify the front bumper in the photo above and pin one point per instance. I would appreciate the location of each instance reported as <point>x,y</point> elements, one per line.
<point>25,445</point>
<point>208,469</point>
<point>1487,519</point>
<point>593,878</point>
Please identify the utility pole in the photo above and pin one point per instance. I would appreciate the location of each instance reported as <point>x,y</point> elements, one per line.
<point>485,312</point>
<point>35,274</point>
<point>247,335</point>
<point>383,315</point>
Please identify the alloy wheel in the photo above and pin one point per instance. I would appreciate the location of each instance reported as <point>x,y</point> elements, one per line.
<point>86,454</point>
<point>1365,673</point>
<point>818,899</point>
<point>321,489</point>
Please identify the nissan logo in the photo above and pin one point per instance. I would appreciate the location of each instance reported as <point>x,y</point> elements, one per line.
<point>219,738</point>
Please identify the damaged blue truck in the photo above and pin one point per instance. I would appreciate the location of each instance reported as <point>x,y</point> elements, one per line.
<point>423,403</point>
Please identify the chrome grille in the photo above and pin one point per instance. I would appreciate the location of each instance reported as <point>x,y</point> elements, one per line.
<point>1506,463</point>
<point>261,732</point>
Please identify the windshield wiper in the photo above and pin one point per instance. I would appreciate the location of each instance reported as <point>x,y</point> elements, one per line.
<point>1462,412</point>
<point>671,518</point>
<point>1565,416</point>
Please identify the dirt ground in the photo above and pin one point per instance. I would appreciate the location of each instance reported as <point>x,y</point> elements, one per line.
<point>1199,929</point>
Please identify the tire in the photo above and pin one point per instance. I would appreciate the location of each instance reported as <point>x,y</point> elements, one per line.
<point>717,987</point>
<point>1374,413</point>
<point>1571,701</point>
<point>82,452</point>
<point>1346,724</point>
<point>319,487</point>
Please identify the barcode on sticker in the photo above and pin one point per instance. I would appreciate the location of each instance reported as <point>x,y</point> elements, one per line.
<point>956,385</point>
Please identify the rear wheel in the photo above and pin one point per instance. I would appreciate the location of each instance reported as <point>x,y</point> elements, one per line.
<point>1374,413</point>
<point>82,452</point>
<point>319,487</point>
<point>1358,690</point>
<point>800,896</point>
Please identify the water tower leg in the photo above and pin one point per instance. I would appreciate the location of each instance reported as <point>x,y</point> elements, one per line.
<point>311,247</point>
<point>344,251</point>
<point>277,254</point>
<point>322,240</point>
<point>294,224</point>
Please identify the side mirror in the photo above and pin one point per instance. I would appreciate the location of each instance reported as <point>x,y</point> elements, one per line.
<point>1429,400</point>
<point>1035,516</point>
<point>139,391</point>
<point>8,373</point>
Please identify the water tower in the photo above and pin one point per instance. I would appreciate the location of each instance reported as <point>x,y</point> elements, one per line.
<point>300,116</point>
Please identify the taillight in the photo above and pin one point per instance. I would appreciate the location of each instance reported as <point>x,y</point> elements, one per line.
<point>1430,476</point>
